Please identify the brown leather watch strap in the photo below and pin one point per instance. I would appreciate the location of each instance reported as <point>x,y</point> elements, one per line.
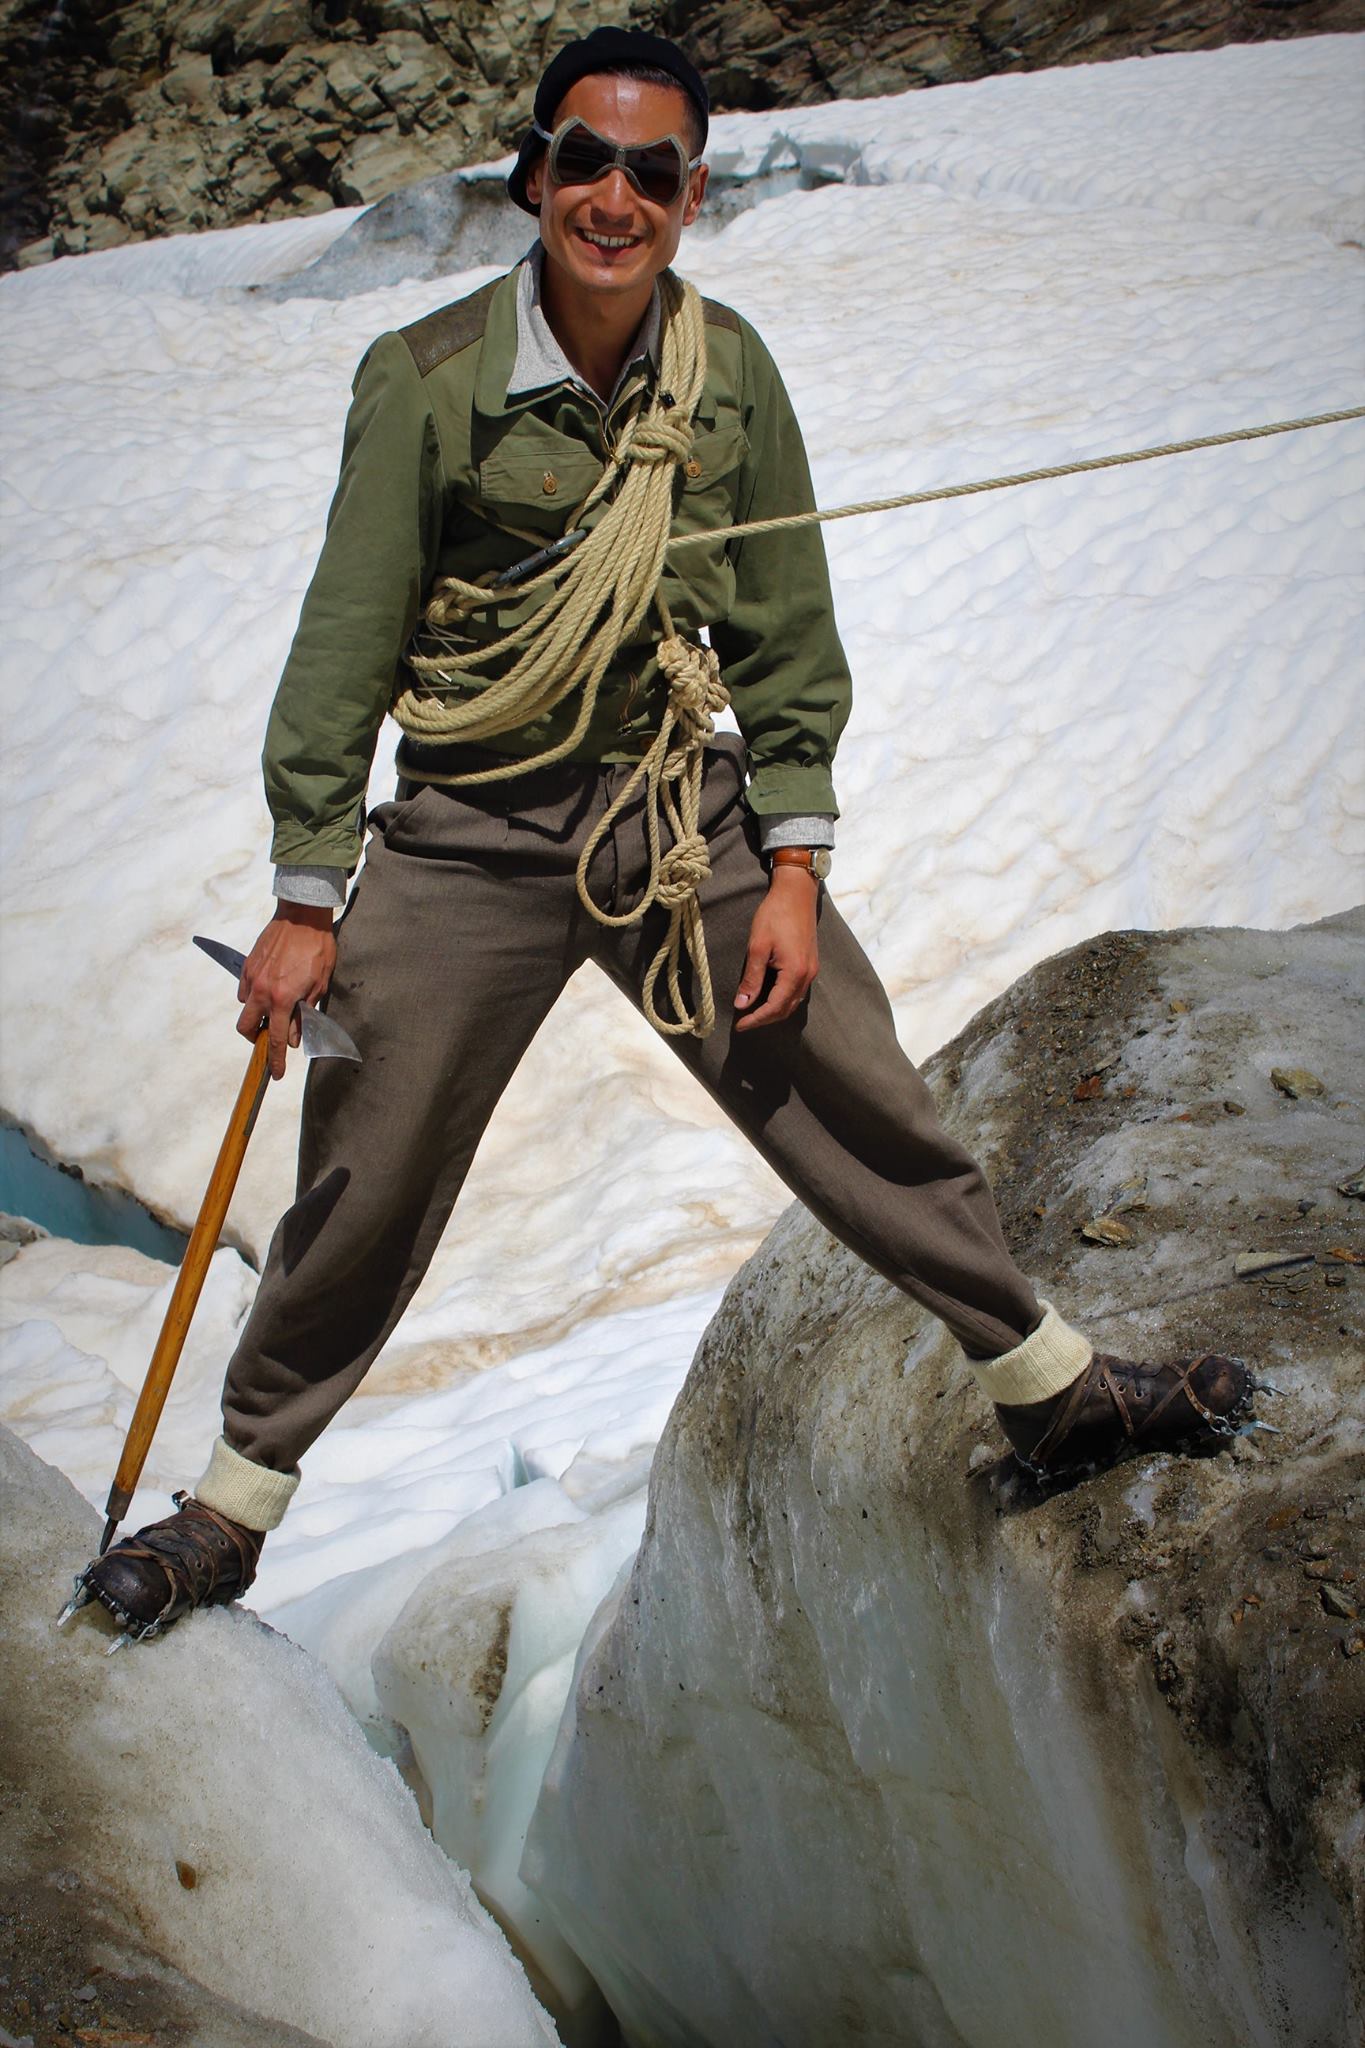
<point>814,859</point>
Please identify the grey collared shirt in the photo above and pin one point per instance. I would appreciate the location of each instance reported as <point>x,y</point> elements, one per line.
<point>541,365</point>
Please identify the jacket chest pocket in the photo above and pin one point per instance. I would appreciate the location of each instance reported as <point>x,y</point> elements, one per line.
<point>699,582</point>
<point>710,478</point>
<point>537,477</point>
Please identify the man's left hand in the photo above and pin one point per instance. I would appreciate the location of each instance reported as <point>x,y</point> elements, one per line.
<point>781,943</point>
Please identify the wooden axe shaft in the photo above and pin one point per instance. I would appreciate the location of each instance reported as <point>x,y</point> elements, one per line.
<point>188,1287</point>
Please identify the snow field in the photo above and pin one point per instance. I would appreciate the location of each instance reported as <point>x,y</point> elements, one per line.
<point>1116,699</point>
<point>396,1473</point>
<point>1130,698</point>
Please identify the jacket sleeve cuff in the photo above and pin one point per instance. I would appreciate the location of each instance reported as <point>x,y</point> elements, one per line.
<point>777,788</point>
<point>296,844</point>
<point>323,888</point>
<point>781,828</point>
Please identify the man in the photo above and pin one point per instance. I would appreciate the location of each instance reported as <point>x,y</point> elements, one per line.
<point>478,437</point>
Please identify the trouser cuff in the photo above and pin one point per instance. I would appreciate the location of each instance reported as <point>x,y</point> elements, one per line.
<point>1049,1358</point>
<point>245,1492</point>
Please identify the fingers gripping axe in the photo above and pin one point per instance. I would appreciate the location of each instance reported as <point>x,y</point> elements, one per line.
<point>320,1038</point>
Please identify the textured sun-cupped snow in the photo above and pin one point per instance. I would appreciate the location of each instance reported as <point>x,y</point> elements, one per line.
<point>1119,699</point>
<point>397,1472</point>
<point>1193,136</point>
<point>1125,699</point>
<point>78,1324</point>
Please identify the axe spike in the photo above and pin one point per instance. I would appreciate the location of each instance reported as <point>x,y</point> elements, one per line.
<point>328,1041</point>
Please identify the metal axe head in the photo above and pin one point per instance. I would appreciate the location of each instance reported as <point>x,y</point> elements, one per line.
<point>320,1038</point>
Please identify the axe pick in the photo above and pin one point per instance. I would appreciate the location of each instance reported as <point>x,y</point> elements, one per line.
<point>321,1038</point>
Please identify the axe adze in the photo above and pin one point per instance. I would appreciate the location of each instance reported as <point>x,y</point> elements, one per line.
<point>320,1038</point>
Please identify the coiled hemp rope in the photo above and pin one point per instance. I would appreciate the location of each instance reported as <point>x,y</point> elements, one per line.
<point>595,603</point>
<point>591,607</point>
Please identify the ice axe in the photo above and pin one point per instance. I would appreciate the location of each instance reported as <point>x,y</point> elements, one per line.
<point>320,1038</point>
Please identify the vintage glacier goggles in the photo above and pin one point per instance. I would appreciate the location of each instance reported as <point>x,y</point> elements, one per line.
<point>580,156</point>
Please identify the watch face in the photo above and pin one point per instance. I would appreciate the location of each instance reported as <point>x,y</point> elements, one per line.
<point>821,861</point>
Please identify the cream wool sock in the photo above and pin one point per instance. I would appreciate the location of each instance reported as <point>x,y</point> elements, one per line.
<point>1049,1358</point>
<point>245,1492</point>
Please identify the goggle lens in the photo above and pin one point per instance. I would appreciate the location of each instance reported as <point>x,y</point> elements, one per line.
<point>658,170</point>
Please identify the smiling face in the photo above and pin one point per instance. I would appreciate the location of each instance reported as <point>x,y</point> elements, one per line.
<point>607,237</point>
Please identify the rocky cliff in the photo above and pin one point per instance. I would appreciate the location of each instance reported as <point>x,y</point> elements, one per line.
<point>896,1746</point>
<point>129,118</point>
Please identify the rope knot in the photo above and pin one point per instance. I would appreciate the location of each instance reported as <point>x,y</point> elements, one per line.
<point>682,870</point>
<point>695,690</point>
<point>568,621</point>
<point>660,437</point>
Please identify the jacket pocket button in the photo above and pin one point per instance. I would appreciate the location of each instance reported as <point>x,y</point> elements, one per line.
<point>549,483</point>
<point>692,468</point>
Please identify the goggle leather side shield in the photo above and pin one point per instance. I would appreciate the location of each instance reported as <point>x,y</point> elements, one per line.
<point>578,155</point>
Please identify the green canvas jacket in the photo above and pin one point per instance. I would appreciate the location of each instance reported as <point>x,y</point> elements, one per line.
<point>431,437</point>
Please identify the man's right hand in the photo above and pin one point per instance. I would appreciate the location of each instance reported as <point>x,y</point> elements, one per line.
<point>290,963</point>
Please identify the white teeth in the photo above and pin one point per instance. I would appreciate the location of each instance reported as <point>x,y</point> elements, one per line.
<point>609,241</point>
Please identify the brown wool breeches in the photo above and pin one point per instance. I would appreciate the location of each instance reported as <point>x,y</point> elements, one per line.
<point>461,931</point>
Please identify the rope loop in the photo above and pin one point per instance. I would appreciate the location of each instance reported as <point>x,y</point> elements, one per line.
<point>577,613</point>
<point>574,617</point>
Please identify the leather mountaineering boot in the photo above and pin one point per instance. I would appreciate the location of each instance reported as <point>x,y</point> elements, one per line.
<point>195,1558</point>
<point>1117,1408</point>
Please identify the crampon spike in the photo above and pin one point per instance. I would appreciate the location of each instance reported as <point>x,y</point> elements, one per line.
<point>80,1594</point>
<point>133,1631</point>
<point>1255,1425</point>
<point>1264,1387</point>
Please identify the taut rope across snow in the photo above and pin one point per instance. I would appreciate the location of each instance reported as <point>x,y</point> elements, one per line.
<point>1031,476</point>
<point>593,600</point>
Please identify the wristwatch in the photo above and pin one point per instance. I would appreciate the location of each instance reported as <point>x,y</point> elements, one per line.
<point>816,860</point>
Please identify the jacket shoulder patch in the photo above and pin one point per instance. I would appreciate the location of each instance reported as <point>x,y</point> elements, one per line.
<point>438,336</point>
<point>716,315</point>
